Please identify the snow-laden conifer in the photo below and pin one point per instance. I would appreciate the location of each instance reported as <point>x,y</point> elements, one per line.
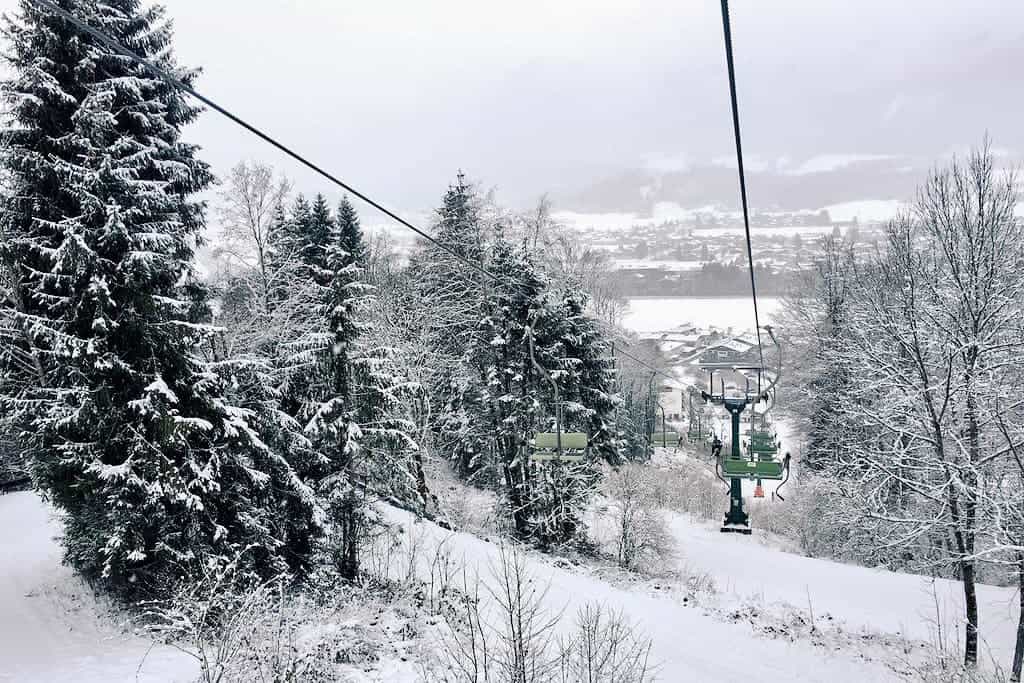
<point>132,431</point>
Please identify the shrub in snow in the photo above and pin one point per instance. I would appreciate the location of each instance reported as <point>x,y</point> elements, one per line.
<point>642,537</point>
<point>604,648</point>
<point>274,631</point>
<point>501,629</point>
<point>688,486</point>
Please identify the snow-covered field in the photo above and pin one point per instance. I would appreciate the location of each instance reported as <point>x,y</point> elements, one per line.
<point>657,314</point>
<point>866,619</point>
<point>644,264</point>
<point>865,211</point>
<point>864,599</point>
<point>688,643</point>
<point>661,212</point>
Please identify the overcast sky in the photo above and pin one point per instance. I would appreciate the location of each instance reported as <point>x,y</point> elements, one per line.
<point>532,96</point>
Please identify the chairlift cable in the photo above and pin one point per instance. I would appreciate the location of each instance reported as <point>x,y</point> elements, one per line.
<point>726,29</point>
<point>182,86</point>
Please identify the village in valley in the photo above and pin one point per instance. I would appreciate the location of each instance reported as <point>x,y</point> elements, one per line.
<point>703,253</point>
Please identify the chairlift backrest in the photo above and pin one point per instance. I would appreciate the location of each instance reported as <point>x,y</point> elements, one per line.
<point>571,441</point>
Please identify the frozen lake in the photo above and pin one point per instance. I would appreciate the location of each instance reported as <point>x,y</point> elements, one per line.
<point>657,314</point>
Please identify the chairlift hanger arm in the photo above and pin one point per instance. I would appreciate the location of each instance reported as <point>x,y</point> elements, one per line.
<point>778,366</point>
<point>533,359</point>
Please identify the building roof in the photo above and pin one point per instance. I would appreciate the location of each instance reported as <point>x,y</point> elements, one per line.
<point>733,344</point>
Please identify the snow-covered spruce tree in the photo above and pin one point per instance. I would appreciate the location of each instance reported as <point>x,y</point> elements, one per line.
<point>13,461</point>
<point>320,310</point>
<point>343,385</point>
<point>350,233</point>
<point>449,301</point>
<point>133,437</point>
<point>288,230</point>
<point>334,428</point>
<point>386,395</point>
<point>589,377</point>
<point>321,237</point>
<point>545,499</point>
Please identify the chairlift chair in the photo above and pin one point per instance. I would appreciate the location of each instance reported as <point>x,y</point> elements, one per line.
<point>557,445</point>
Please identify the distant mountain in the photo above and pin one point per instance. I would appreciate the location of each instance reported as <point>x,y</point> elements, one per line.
<point>637,191</point>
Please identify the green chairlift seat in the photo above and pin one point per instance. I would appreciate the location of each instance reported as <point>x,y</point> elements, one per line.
<point>665,439</point>
<point>738,468</point>
<point>545,446</point>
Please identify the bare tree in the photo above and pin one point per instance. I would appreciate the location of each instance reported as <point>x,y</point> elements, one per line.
<point>573,264</point>
<point>640,529</point>
<point>1006,504</point>
<point>605,649</point>
<point>935,325</point>
<point>251,200</point>
<point>505,632</point>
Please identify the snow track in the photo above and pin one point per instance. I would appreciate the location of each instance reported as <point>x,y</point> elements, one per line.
<point>52,628</point>
<point>864,599</point>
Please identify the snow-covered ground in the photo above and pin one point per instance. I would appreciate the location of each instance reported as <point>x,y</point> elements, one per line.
<point>866,211</point>
<point>659,314</point>
<point>870,623</point>
<point>863,599</point>
<point>661,212</point>
<point>52,629</point>
<point>758,232</point>
<point>688,643</point>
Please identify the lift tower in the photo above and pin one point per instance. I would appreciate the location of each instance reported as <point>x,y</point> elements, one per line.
<point>736,519</point>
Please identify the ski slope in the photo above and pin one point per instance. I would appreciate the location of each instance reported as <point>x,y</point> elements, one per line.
<point>871,600</point>
<point>52,630</point>
<point>688,644</point>
<point>661,314</point>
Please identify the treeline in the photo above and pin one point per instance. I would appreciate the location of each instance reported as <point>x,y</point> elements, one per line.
<point>247,417</point>
<point>906,373</point>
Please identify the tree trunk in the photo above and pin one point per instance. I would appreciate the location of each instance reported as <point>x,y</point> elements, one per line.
<point>515,494</point>
<point>970,519</point>
<point>351,527</point>
<point>971,602</point>
<point>422,490</point>
<point>1018,652</point>
<point>966,567</point>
